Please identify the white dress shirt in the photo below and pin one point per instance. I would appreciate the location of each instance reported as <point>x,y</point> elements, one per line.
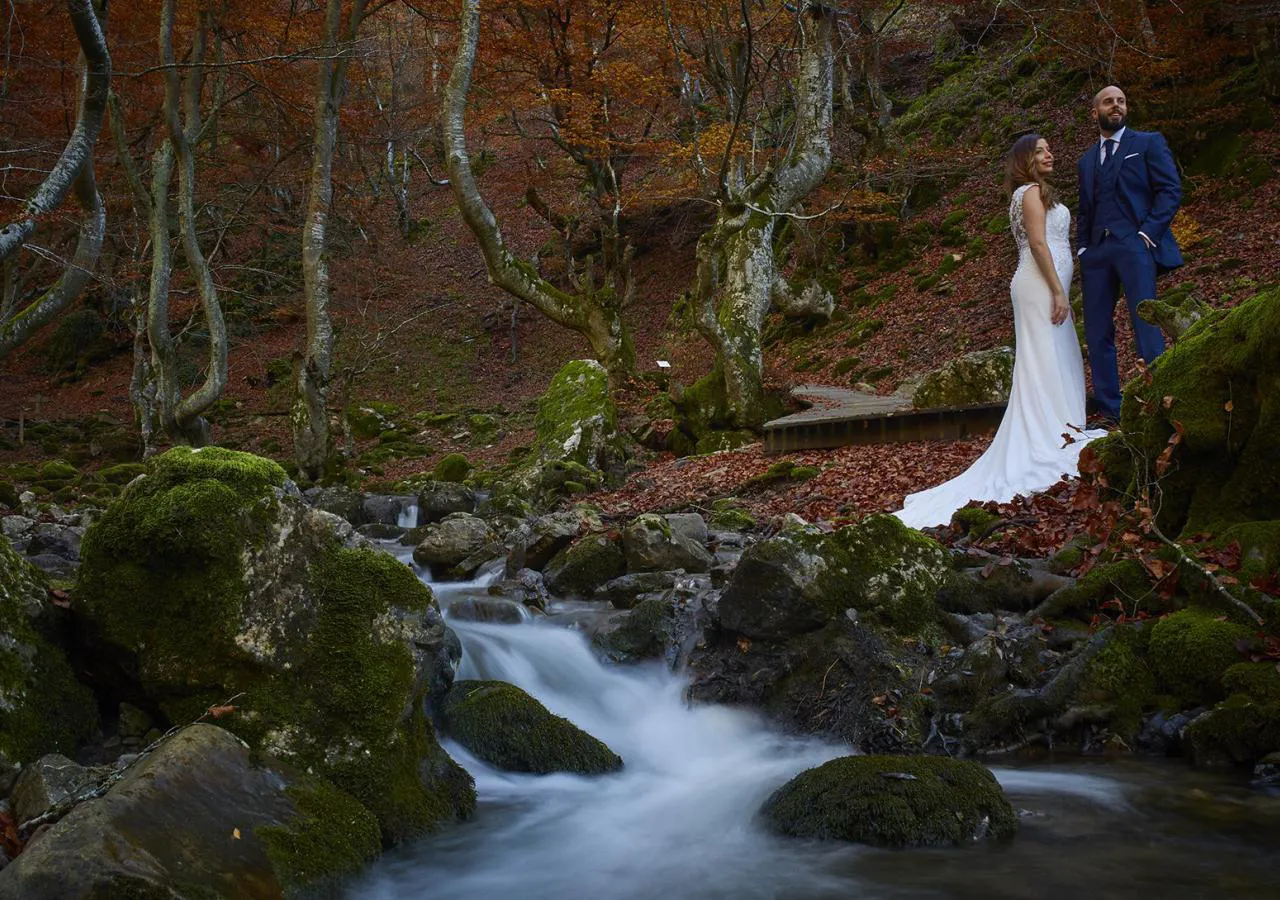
<point>1102,145</point>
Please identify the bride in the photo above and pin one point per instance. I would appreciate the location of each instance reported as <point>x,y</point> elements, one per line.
<point>1029,452</point>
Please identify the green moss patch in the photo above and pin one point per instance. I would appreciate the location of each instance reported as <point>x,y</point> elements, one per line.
<point>893,801</point>
<point>1191,650</point>
<point>453,467</point>
<point>331,836</point>
<point>1117,676</point>
<point>1238,731</point>
<point>585,565</point>
<point>512,731</point>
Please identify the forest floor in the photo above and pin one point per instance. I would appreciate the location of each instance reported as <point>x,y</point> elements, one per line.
<point>455,346</point>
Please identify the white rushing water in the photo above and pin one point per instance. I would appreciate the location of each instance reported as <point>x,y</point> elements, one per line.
<point>678,821</point>
<point>408,517</point>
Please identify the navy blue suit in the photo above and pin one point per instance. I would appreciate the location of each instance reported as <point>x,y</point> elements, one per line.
<point>1138,190</point>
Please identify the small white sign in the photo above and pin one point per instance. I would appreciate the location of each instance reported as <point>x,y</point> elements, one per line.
<point>663,364</point>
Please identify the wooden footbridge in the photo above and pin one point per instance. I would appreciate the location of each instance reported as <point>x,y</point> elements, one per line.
<point>837,417</point>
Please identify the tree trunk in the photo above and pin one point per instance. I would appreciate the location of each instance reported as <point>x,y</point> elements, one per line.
<point>144,385</point>
<point>164,352</point>
<point>14,331</point>
<point>156,386</point>
<point>737,269</point>
<point>188,417</point>
<point>74,168</point>
<point>737,261</point>
<point>312,443</point>
<point>596,314</point>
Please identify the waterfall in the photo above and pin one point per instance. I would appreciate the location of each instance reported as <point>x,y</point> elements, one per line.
<point>408,517</point>
<point>679,821</point>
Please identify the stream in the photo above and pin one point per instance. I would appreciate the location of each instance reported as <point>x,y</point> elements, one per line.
<point>678,821</point>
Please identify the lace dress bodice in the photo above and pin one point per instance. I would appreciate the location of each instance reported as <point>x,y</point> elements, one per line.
<point>1057,227</point>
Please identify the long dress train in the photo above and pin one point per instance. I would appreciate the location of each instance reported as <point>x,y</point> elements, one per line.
<point>1029,452</point>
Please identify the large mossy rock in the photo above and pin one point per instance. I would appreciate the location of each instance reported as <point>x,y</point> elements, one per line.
<point>1191,650</point>
<point>972,380</point>
<point>585,565</point>
<point>578,439</point>
<point>651,544</point>
<point>199,817</point>
<point>510,730</point>
<point>211,578</point>
<point>802,578</point>
<point>1220,382</point>
<point>893,801</point>
<point>643,632</point>
<point>43,709</point>
<point>1243,728</point>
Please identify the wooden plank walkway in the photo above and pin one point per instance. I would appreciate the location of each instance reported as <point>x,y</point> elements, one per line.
<point>839,416</point>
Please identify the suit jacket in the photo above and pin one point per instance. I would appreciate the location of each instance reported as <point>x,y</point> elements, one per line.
<point>1148,189</point>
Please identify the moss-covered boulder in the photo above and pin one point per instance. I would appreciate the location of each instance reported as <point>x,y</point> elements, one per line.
<point>211,578</point>
<point>576,425</point>
<point>642,632</point>
<point>199,817</point>
<point>802,578</point>
<point>454,467</point>
<point>892,801</point>
<point>585,565</point>
<point>43,709</point>
<point>1220,384</point>
<point>510,730</point>
<point>972,380</point>
<point>1191,650</point>
<point>1238,731</point>
<point>650,544</point>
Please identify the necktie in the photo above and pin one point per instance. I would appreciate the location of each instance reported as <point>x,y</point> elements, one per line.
<point>1110,145</point>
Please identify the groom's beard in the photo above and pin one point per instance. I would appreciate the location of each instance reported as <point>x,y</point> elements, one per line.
<point>1113,122</point>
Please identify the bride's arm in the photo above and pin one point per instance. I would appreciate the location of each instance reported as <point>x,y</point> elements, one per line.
<point>1033,215</point>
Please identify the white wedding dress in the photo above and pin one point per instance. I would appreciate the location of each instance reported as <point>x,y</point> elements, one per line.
<point>1047,399</point>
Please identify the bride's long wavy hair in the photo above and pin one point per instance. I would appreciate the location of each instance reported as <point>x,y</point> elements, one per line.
<point>1020,169</point>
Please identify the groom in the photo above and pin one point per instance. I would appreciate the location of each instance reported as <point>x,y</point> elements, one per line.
<point>1129,192</point>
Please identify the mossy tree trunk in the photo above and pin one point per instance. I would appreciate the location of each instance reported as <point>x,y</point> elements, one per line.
<point>183,417</point>
<point>737,266</point>
<point>155,389</point>
<point>312,444</point>
<point>72,172</point>
<point>156,386</point>
<point>595,313</point>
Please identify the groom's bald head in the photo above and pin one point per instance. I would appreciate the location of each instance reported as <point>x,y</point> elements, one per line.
<point>1110,109</point>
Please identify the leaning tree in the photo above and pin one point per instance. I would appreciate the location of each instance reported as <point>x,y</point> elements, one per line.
<point>564,73</point>
<point>72,173</point>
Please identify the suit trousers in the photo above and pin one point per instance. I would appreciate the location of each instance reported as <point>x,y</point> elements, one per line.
<point>1104,267</point>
